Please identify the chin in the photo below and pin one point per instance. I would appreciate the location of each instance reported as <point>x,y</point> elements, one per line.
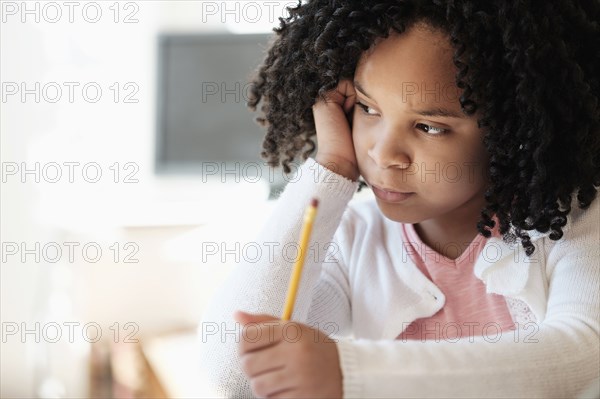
<point>395,213</point>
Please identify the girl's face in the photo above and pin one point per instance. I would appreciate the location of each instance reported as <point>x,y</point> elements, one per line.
<point>410,134</point>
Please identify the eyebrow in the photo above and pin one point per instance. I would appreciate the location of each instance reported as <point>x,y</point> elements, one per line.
<point>439,112</point>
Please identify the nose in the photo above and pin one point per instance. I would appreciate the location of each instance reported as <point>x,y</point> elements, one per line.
<point>390,151</point>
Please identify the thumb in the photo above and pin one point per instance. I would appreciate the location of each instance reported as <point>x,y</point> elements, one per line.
<point>245,318</point>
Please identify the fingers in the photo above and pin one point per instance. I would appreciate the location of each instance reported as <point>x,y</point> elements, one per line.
<point>258,363</point>
<point>264,358</point>
<point>286,393</point>
<point>346,89</point>
<point>257,336</point>
<point>343,95</point>
<point>268,384</point>
<point>349,103</point>
<point>245,318</point>
<point>289,364</point>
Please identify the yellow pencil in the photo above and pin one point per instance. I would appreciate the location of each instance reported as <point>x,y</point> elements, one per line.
<point>309,217</point>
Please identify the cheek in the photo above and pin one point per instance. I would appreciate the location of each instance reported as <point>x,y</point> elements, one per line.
<point>360,136</point>
<point>468,172</point>
<point>476,161</point>
<point>359,140</point>
<point>450,170</point>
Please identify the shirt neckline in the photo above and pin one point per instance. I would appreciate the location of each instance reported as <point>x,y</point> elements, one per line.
<point>468,255</point>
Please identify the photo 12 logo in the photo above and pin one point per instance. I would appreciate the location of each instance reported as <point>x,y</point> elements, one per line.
<point>68,252</point>
<point>246,11</point>
<point>254,252</point>
<point>53,332</point>
<point>210,331</point>
<point>53,12</point>
<point>62,92</point>
<point>68,172</point>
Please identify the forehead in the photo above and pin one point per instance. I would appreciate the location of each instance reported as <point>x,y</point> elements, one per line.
<point>419,58</point>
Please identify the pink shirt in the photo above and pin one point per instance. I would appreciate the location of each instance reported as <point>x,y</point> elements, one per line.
<point>468,310</point>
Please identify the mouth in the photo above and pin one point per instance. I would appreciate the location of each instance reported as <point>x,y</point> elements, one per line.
<point>389,195</point>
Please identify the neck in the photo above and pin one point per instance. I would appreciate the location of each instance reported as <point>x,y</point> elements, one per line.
<point>451,234</point>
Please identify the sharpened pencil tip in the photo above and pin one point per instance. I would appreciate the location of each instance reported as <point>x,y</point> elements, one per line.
<point>314,203</point>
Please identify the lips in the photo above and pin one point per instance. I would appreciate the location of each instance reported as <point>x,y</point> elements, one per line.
<point>389,195</point>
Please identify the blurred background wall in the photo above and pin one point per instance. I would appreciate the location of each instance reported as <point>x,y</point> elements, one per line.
<point>97,244</point>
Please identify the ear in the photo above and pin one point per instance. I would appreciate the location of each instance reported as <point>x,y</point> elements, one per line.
<point>245,318</point>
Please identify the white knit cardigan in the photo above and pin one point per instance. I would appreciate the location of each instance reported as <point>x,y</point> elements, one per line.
<point>360,286</point>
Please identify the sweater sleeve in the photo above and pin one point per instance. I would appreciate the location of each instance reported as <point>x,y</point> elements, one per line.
<point>330,310</point>
<point>557,358</point>
<point>260,285</point>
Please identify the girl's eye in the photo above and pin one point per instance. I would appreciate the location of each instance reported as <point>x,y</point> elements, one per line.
<point>365,108</point>
<point>435,131</point>
<point>432,130</point>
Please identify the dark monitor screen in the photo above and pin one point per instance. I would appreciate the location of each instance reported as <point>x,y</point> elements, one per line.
<point>201,99</point>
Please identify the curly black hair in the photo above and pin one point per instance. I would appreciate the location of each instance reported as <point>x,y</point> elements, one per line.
<point>530,67</point>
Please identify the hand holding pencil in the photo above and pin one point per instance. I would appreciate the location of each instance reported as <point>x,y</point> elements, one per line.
<point>283,357</point>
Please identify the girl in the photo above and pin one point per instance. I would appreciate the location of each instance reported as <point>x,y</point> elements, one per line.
<point>474,271</point>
